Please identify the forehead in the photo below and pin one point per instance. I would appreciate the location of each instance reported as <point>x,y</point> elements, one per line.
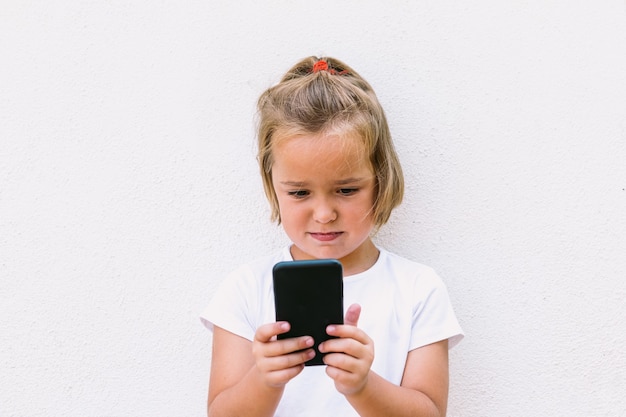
<point>315,155</point>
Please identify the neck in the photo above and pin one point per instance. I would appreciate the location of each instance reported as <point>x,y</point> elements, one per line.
<point>361,259</point>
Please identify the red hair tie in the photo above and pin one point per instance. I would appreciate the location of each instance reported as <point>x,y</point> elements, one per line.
<point>322,65</point>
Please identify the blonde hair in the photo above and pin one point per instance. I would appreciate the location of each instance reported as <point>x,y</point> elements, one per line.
<point>316,99</point>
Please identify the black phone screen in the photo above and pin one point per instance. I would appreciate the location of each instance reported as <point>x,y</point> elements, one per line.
<point>309,295</point>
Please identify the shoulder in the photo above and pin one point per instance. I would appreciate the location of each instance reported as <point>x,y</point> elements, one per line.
<point>240,301</point>
<point>251,277</point>
<point>425,292</point>
<point>256,267</point>
<point>417,283</point>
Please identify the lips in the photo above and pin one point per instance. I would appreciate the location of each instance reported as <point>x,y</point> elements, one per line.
<point>326,237</point>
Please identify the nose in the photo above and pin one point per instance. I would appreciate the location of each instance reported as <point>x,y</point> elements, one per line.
<point>324,212</point>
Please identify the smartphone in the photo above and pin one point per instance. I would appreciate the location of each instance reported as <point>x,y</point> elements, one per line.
<point>309,295</point>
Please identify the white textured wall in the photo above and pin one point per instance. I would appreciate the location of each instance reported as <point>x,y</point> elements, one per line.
<point>128,188</point>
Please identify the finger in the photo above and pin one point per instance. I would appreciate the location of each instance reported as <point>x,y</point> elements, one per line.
<point>349,375</point>
<point>285,365</point>
<point>282,347</point>
<point>287,346</point>
<point>346,339</point>
<point>345,331</point>
<point>352,315</point>
<point>290,360</point>
<point>277,371</point>
<point>281,377</point>
<point>342,362</point>
<point>266,332</point>
<point>349,346</point>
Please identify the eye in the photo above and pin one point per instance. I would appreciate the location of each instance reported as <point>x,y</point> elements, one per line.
<point>298,193</point>
<point>348,191</point>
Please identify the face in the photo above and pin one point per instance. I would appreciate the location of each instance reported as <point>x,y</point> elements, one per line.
<point>325,189</point>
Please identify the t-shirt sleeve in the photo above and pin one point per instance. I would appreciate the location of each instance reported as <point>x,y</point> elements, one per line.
<point>230,306</point>
<point>433,318</point>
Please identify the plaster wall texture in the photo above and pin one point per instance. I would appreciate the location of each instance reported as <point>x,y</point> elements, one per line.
<point>128,188</point>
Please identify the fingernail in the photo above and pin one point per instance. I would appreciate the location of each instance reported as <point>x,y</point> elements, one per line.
<point>330,328</point>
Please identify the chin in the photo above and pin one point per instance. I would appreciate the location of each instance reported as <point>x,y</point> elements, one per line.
<point>319,252</point>
<point>332,253</point>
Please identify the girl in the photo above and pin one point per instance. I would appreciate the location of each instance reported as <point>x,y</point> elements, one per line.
<point>332,178</point>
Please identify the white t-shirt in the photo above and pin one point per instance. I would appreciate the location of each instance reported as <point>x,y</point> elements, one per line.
<point>404,305</point>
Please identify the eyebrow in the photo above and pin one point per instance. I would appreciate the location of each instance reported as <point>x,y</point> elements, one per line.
<point>350,180</point>
<point>340,182</point>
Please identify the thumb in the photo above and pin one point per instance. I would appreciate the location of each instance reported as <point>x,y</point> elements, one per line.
<point>352,315</point>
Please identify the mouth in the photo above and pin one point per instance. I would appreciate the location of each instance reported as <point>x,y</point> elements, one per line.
<point>325,237</point>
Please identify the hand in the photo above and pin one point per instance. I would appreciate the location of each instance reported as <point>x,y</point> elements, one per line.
<point>349,358</point>
<point>278,361</point>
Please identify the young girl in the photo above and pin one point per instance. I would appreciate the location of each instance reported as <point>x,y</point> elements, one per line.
<point>332,177</point>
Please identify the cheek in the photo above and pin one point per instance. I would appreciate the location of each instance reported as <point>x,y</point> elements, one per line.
<point>366,210</point>
<point>288,212</point>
